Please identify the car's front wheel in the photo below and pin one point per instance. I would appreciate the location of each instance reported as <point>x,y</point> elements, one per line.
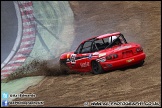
<point>96,68</point>
<point>63,67</point>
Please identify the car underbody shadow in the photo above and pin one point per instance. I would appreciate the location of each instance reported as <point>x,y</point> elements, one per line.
<point>126,68</point>
<point>130,67</point>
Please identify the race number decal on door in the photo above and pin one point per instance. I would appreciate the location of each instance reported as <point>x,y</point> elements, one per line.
<point>72,59</point>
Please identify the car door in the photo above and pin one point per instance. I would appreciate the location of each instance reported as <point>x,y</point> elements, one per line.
<point>80,60</point>
<point>83,62</point>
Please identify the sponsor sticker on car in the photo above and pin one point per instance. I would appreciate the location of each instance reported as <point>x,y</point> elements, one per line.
<point>90,56</point>
<point>85,64</point>
<point>96,53</point>
<point>130,60</point>
<point>102,54</point>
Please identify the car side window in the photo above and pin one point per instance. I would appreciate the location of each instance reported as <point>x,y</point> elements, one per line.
<point>86,47</point>
<point>100,44</point>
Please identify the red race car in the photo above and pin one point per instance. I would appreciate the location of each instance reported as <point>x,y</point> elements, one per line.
<point>102,53</point>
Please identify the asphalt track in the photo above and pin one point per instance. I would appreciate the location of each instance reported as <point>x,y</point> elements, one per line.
<point>140,22</point>
<point>9,28</point>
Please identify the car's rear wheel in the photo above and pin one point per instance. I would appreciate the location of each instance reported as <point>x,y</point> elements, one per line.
<point>96,68</point>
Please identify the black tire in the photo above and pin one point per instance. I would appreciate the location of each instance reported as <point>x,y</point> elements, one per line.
<point>63,67</point>
<point>141,63</point>
<point>96,68</point>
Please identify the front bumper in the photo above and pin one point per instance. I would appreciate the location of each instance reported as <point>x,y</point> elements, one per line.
<point>109,65</point>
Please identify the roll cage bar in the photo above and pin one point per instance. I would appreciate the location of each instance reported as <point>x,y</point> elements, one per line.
<point>79,49</point>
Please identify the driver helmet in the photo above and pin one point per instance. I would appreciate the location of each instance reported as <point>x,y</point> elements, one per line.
<point>113,38</point>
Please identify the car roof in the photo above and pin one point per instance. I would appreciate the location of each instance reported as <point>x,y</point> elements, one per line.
<point>103,36</point>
